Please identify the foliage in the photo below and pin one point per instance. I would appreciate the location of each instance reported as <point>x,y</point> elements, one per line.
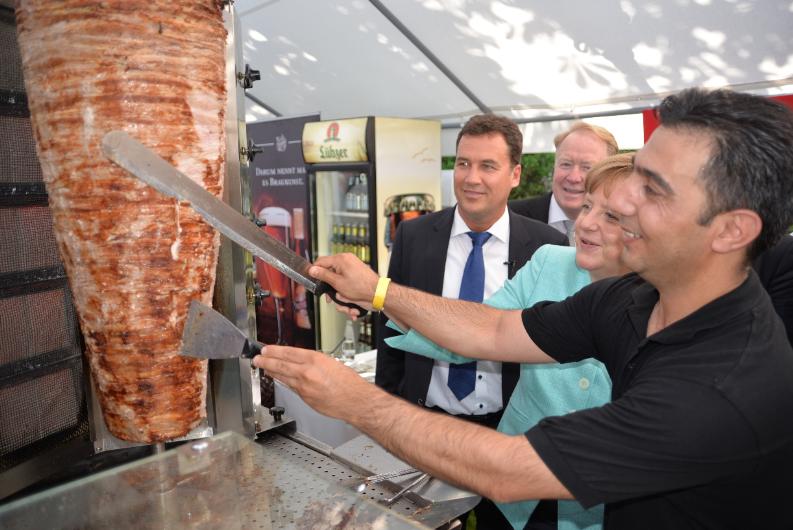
<point>535,177</point>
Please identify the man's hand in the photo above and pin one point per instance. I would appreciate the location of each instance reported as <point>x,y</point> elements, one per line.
<point>353,280</point>
<point>324,383</point>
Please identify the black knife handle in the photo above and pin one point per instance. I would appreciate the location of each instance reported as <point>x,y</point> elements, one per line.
<point>324,288</point>
<point>251,349</point>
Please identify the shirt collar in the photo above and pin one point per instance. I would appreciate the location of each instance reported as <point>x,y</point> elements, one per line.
<point>555,212</point>
<point>713,314</point>
<point>499,229</point>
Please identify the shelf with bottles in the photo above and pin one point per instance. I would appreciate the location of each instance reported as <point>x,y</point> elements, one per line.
<point>356,198</point>
<point>352,238</point>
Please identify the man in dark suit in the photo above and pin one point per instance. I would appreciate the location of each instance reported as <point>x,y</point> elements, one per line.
<point>577,149</point>
<point>429,253</point>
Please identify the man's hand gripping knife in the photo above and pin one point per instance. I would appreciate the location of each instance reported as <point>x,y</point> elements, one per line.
<point>353,280</point>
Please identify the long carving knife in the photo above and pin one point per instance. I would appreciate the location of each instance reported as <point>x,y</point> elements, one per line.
<point>142,162</point>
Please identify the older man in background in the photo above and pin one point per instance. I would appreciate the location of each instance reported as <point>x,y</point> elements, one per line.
<point>577,149</point>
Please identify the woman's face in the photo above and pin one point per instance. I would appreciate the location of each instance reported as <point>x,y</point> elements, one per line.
<point>598,238</point>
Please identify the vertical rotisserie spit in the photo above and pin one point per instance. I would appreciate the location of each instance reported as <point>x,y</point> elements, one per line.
<point>135,259</point>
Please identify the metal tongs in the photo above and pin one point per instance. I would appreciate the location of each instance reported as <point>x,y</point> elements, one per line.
<point>420,481</point>
<point>374,479</point>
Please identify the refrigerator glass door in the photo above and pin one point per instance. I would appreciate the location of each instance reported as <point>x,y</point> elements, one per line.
<point>342,223</point>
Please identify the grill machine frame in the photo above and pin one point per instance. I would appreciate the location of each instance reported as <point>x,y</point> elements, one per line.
<point>233,397</point>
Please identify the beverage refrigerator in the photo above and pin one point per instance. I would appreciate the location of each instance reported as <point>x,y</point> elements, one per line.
<point>363,174</point>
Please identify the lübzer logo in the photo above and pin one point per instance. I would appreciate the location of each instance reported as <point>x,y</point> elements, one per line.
<point>332,135</point>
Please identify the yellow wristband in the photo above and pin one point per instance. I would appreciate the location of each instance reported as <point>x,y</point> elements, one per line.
<point>379,294</point>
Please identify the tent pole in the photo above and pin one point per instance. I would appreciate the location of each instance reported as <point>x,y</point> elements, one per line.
<point>431,56</point>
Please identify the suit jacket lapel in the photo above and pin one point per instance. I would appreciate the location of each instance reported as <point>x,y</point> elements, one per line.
<point>437,246</point>
<point>519,245</point>
<point>546,207</point>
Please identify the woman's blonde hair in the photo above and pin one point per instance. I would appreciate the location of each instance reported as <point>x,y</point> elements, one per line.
<point>608,172</point>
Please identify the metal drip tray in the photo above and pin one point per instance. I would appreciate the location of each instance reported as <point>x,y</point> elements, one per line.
<point>300,489</point>
<point>223,482</point>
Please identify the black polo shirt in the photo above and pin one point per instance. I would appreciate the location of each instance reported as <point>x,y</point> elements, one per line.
<point>700,430</point>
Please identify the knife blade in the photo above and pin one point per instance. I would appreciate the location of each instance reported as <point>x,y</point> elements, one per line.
<point>209,335</point>
<point>150,168</point>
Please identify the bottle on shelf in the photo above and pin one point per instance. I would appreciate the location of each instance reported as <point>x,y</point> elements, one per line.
<point>365,250</point>
<point>349,196</point>
<point>349,347</point>
<point>358,241</point>
<point>354,240</point>
<point>365,338</point>
<point>363,192</point>
<point>369,335</point>
<point>334,239</point>
<point>358,195</point>
<point>347,238</point>
<point>340,239</point>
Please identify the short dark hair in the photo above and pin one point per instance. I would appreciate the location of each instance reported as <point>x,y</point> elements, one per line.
<point>751,160</point>
<point>482,124</point>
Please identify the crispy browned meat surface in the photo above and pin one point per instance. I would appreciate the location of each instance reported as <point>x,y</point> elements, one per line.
<point>134,258</point>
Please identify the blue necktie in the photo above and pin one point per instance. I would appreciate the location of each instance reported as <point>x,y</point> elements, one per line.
<point>462,377</point>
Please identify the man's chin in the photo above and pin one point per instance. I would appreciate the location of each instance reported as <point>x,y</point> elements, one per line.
<point>633,262</point>
<point>571,205</point>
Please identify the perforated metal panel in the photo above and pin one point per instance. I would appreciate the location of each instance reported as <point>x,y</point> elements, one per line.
<point>298,487</point>
<point>10,62</point>
<point>18,162</point>
<point>27,240</point>
<point>42,396</point>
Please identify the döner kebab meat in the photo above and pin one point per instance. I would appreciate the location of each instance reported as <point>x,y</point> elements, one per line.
<point>135,259</point>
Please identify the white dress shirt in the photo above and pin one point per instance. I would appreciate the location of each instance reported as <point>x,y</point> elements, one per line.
<point>556,216</point>
<point>558,219</point>
<point>486,397</point>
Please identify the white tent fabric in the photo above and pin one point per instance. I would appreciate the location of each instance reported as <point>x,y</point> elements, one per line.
<point>450,59</point>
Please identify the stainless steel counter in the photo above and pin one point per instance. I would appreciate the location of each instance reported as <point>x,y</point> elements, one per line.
<point>281,481</point>
<point>224,482</point>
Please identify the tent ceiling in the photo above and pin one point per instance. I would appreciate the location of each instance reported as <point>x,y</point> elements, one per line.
<point>522,58</point>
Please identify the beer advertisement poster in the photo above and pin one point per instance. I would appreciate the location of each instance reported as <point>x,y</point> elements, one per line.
<point>280,203</point>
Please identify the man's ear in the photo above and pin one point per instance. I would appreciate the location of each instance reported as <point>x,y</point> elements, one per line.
<point>735,230</point>
<point>516,175</point>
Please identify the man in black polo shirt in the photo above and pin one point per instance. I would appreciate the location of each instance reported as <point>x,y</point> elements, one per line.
<point>699,432</point>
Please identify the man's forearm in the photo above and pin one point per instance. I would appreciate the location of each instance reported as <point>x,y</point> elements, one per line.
<point>470,329</point>
<point>501,467</point>
<point>466,328</point>
<point>440,319</point>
